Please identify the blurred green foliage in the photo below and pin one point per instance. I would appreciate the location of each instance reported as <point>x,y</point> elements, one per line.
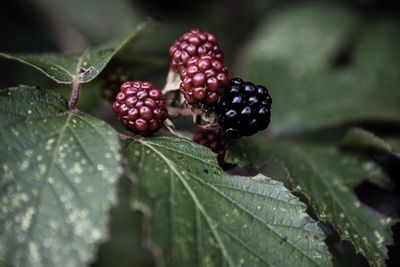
<point>326,66</point>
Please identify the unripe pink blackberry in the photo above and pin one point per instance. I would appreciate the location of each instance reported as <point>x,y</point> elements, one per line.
<point>213,140</point>
<point>204,79</point>
<point>194,43</point>
<point>140,107</point>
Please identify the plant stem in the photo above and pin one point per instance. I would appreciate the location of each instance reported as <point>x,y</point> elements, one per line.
<point>175,112</point>
<point>76,88</point>
<point>123,137</point>
<point>76,84</point>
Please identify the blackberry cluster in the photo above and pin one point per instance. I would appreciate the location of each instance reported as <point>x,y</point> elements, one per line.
<point>244,109</point>
<point>203,80</point>
<point>113,82</point>
<point>194,43</point>
<point>214,141</point>
<point>140,107</point>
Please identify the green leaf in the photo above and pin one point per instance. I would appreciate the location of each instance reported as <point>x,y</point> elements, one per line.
<point>105,19</point>
<point>327,179</point>
<point>78,67</point>
<point>200,215</point>
<point>293,54</point>
<point>370,146</point>
<point>294,34</point>
<point>377,51</point>
<point>362,140</point>
<point>57,176</point>
<point>394,143</point>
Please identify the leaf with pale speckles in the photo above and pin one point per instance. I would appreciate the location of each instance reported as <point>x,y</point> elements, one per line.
<point>63,68</point>
<point>57,176</point>
<point>198,215</point>
<point>327,178</point>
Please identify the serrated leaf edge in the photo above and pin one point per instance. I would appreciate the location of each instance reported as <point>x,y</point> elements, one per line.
<point>136,204</point>
<point>296,188</point>
<point>113,199</point>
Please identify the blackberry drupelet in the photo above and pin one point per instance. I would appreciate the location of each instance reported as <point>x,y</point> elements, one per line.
<point>140,107</point>
<point>204,80</point>
<point>244,109</point>
<point>194,43</point>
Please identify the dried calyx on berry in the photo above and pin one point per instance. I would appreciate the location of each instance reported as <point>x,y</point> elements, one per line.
<point>213,140</point>
<point>113,81</point>
<point>204,79</point>
<point>140,107</point>
<point>194,43</point>
<point>244,109</point>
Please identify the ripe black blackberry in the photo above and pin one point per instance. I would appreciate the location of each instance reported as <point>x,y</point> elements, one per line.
<point>244,109</point>
<point>204,79</point>
<point>113,81</point>
<point>213,140</point>
<point>140,107</point>
<point>194,43</point>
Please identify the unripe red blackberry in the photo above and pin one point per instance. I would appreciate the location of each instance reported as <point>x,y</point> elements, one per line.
<point>140,107</point>
<point>213,140</point>
<point>244,109</point>
<point>113,81</point>
<point>203,80</point>
<point>194,43</point>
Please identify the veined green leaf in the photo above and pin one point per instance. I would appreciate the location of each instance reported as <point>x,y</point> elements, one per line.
<point>81,67</point>
<point>198,215</point>
<point>57,176</point>
<point>327,178</point>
